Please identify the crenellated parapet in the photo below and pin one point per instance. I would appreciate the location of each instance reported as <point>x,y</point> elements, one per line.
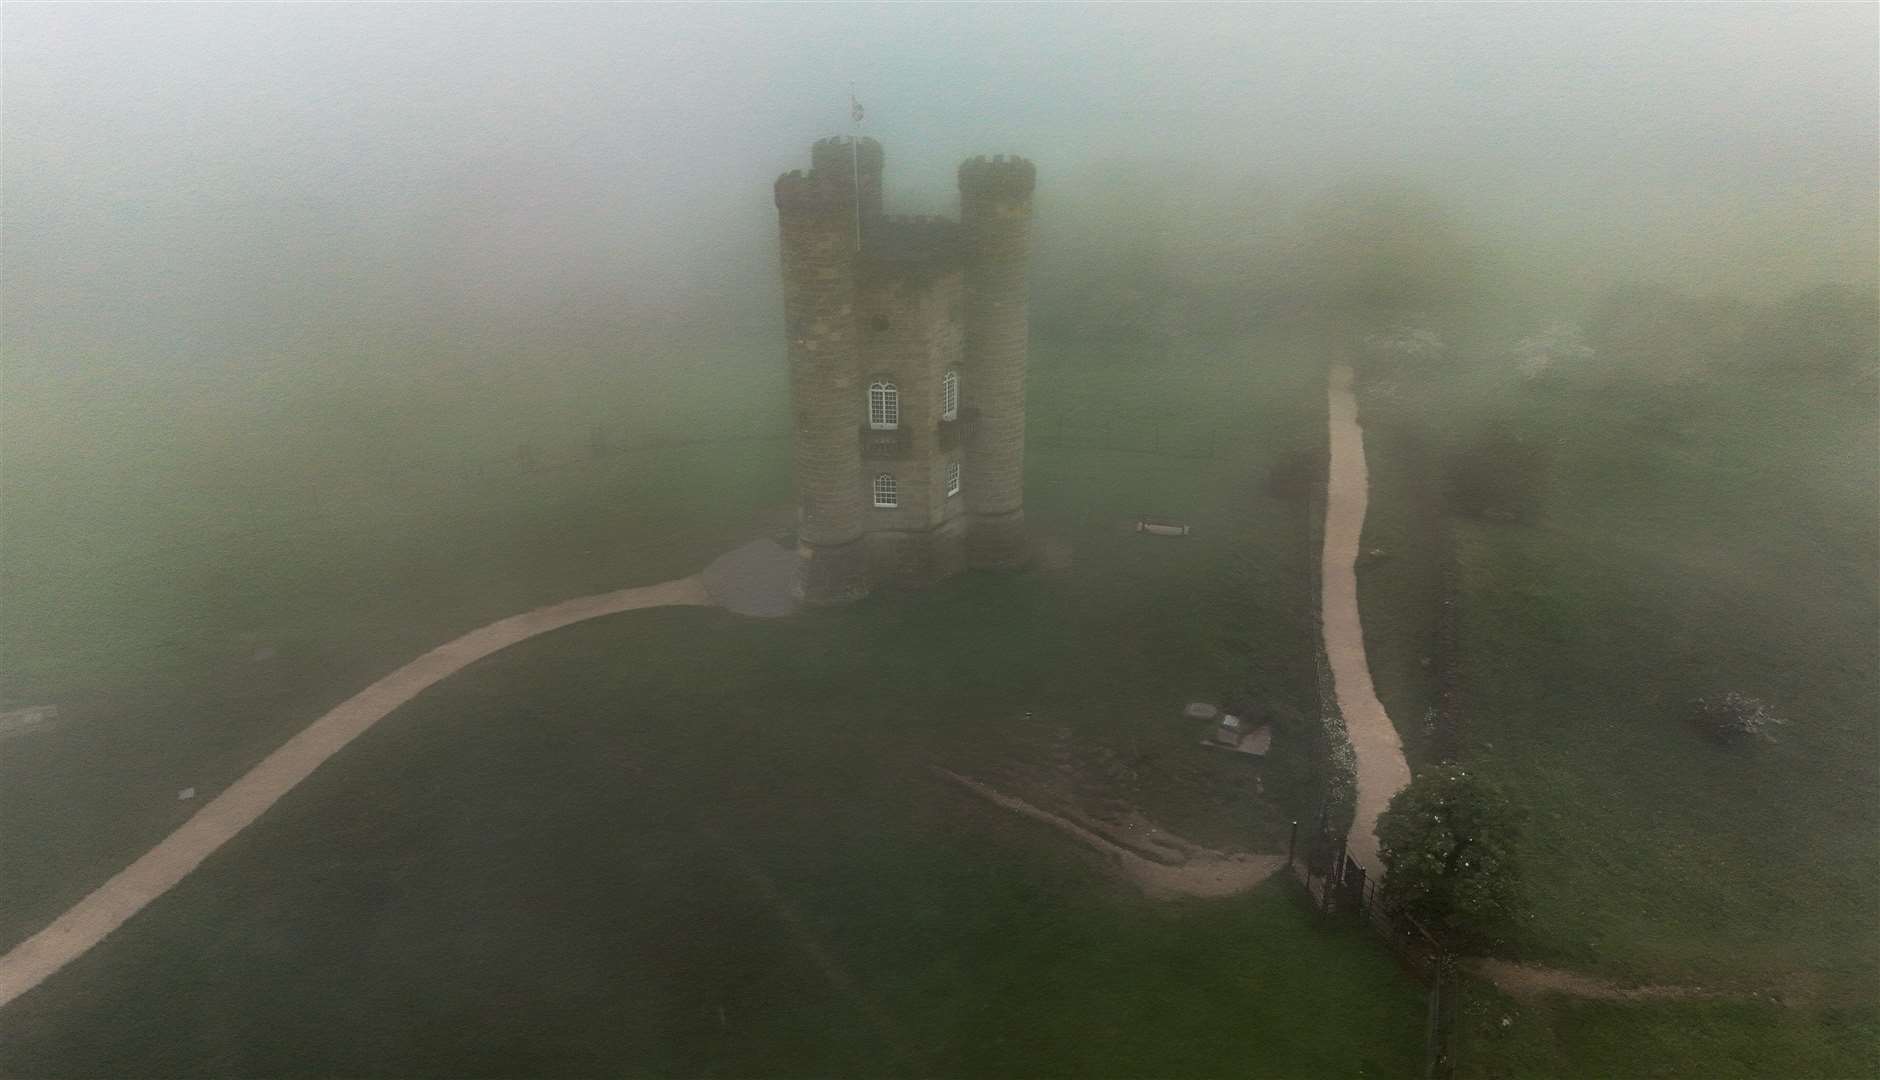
<point>811,195</point>
<point>833,154</point>
<point>1002,176</point>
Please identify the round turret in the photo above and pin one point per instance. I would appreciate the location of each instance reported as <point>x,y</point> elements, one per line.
<point>817,231</point>
<point>995,214</point>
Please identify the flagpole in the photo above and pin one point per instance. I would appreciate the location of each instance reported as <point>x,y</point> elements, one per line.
<point>855,162</point>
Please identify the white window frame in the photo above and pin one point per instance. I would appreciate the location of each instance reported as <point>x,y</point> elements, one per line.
<point>953,478</point>
<point>950,395</point>
<point>884,406</point>
<point>887,492</point>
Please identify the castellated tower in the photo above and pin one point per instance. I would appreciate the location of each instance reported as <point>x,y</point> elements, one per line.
<point>907,373</point>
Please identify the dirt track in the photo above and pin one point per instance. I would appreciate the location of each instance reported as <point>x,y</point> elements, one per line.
<point>1203,873</point>
<point>87,923</point>
<point>1524,980</point>
<point>1382,770</point>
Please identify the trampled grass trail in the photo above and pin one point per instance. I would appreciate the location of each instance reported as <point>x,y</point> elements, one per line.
<point>1382,768</point>
<point>89,921</point>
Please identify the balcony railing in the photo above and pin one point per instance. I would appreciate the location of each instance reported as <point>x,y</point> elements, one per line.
<point>887,445</point>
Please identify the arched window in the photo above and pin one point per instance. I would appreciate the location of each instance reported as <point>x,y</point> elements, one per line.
<point>884,406</point>
<point>886,495</point>
<point>953,478</point>
<point>950,395</point>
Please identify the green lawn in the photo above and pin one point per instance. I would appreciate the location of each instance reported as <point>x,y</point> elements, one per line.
<point>680,842</point>
<point>1722,537</point>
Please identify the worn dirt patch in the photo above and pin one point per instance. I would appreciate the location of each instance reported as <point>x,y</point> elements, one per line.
<point>1526,980</point>
<point>1182,870</point>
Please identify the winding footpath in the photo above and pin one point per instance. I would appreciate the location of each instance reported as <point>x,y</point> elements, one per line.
<point>1382,769</point>
<point>87,923</point>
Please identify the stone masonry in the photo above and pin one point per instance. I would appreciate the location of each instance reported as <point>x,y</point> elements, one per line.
<point>883,314</point>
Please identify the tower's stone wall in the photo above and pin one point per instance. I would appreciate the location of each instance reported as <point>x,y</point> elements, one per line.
<point>995,212</point>
<point>912,334</point>
<point>918,297</point>
<point>817,240</point>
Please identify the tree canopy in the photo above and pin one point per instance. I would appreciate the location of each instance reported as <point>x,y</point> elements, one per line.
<point>1449,843</point>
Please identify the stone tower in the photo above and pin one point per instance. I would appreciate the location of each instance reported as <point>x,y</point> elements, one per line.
<point>907,340</point>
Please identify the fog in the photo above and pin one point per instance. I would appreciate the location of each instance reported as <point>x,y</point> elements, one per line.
<point>187,184</point>
<point>1428,386</point>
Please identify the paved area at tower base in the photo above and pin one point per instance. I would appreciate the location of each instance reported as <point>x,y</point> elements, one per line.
<point>754,579</point>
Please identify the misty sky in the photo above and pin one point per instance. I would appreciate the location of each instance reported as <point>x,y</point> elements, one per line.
<point>169,166</point>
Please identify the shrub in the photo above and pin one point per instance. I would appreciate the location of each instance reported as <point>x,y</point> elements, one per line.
<point>1733,717</point>
<point>1315,765</point>
<point>1449,846</point>
<point>1380,250</point>
<point>1560,347</point>
<point>1408,342</point>
<point>1830,330</point>
<point>1657,335</point>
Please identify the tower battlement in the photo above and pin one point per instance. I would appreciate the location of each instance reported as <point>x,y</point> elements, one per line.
<point>999,176</point>
<point>832,154</point>
<point>907,342</point>
<point>809,194</point>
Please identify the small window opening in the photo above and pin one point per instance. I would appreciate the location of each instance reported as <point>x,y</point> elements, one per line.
<point>887,497</point>
<point>953,478</point>
<point>950,395</point>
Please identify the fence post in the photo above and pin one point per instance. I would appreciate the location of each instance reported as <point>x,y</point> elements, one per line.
<point>1292,845</point>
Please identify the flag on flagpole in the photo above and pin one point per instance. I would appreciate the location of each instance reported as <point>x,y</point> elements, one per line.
<point>855,107</point>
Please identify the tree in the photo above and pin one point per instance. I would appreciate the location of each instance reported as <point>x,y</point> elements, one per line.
<point>1827,331</point>
<point>1449,845</point>
<point>1498,475</point>
<point>1379,252</point>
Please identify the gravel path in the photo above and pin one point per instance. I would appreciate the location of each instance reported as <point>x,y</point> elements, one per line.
<point>87,923</point>
<point>1382,770</point>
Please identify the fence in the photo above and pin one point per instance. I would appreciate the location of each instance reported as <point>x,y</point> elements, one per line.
<point>1338,887</point>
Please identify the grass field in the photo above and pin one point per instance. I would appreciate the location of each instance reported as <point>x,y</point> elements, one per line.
<point>681,843</point>
<point>1722,537</point>
<point>677,842</point>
